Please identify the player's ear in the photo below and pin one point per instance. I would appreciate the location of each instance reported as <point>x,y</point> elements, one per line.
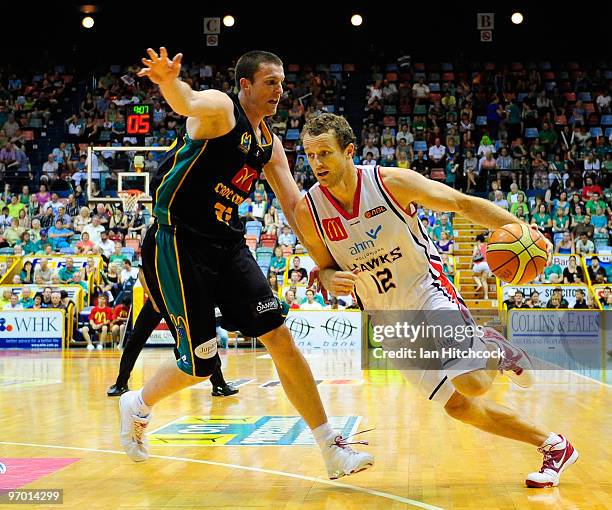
<point>349,152</point>
<point>245,84</point>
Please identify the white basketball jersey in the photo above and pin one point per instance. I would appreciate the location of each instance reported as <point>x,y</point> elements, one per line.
<point>400,266</point>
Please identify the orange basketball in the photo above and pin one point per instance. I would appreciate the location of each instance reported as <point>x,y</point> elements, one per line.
<point>516,253</point>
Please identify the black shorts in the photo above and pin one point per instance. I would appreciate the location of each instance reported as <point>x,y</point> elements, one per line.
<point>188,275</point>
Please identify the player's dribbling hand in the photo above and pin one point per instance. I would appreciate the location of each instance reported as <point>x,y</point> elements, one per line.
<point>160,69</point>
<point>342,283</point>
<point>549,246</point>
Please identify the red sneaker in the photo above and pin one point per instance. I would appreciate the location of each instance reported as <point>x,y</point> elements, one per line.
<point>557,458</point>
<point>515,362</point>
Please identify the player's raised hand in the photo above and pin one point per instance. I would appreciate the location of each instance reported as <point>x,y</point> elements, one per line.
<point>549,245</point>
<point>160,69</point>
<point>342,283</point>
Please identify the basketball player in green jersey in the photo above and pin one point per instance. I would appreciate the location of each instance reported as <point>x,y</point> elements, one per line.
<point>197,256</point>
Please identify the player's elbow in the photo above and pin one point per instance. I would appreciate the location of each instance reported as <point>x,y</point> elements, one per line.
<point>465,204</point>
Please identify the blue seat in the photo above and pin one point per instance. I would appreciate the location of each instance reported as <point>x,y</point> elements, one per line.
<point>447,66</point>
<point>606,120</point>
<point>520,96</point>
<point>608,132</point>
<point>481,120</point>
<point>68,250</point>
<point>253,228</point>
<point>129,252</point>
<point>7,251</point>
<point>584,97</point>
<point>420,146</point>
<point>335,68</point>
<point>263,256</point>
<point>531,133</point>
<point>596,131</point>
<point>292,134</point>
<point>434,86</point>
<point>550,86</point>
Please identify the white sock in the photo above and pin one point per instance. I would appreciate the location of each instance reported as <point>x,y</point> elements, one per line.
<point>552,439</point>
<point>142,408</point>
<point>323,434</point>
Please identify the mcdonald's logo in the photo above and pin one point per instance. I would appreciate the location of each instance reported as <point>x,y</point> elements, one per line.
<point>334,229</point>
<point>243,180</point>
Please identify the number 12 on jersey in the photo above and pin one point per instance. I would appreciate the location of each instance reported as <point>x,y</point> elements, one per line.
<point>383,281</point>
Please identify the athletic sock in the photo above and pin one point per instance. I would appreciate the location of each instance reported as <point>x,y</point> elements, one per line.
<point>323,434</point>
<point>552,439</point>
<point>142,409</point>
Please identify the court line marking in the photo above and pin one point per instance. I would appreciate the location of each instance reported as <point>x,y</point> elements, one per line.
<point>371,492</point>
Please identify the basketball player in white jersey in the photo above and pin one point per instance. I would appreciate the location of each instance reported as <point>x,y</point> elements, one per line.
<point>360,226</point>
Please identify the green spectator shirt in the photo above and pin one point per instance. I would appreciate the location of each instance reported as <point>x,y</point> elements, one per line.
<point>65,274</point>
<point>516,207</point>
<point>541,220</point>
<point>591,206</point>
<point>554,269</point>
<point>548,136</point>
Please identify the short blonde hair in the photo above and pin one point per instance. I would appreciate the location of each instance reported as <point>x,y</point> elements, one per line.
<point>326,122</point>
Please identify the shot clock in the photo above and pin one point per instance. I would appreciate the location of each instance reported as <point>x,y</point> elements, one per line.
<point>139,119</point>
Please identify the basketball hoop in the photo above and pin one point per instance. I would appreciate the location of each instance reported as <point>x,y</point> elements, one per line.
<point>129,199</point>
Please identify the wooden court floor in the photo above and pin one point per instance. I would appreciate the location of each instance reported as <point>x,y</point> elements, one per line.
<point>57,423</point>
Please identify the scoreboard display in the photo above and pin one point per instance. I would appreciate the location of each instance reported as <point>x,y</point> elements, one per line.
<point>139,119</point>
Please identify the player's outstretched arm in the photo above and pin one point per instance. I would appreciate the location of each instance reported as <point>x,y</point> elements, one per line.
<point>339,283</point>
<point>181,97</point>
<point>279,176</point>
<point>409,186</point>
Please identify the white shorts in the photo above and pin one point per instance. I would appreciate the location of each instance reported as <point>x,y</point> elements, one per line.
<point>436,383</point>
<point>481,267</point>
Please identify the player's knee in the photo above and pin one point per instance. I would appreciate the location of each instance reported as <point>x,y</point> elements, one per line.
<point>459,407</point>
<point>279,341</point>
<point>472,384</point>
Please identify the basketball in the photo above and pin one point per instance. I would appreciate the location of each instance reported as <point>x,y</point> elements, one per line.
<point>516,253</point>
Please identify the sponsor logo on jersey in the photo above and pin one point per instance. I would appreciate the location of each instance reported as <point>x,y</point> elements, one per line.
<point>334,229</point>
<point>362,246</point>
<point>375,212</point>
<point>245,142</point>
<point>180,324</point>
<point>226,192</point>
<point>379,261</point>
<point>373,233</point>
<point>206,350</point>
<point>243,180</point>
<point>267,305</point>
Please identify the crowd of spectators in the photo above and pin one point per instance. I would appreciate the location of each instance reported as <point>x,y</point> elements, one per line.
<point>534,139</point>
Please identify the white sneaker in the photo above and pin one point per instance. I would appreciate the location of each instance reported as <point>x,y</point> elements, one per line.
<point>341,460</point>
<point>515,362</point>
<point>99,347</point>
<point>90,347</point>
<point>557,458</point>
<point>132,435</point>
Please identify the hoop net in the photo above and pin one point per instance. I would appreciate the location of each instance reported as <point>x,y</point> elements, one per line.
<point>129,199</point>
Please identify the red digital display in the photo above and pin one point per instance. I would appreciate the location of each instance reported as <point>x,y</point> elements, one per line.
<point>138,119</point>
